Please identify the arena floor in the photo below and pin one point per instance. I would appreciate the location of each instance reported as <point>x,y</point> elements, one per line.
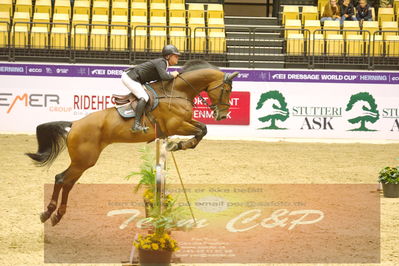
<point>21,197</point>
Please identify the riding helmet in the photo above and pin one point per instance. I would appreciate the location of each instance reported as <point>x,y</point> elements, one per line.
<point>170,49</point>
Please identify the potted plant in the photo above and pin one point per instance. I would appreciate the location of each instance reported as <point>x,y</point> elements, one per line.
<point>157,247</point>
<point>389,177</point>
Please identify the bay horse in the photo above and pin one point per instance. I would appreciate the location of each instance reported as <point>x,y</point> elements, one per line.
<point>87,137</point>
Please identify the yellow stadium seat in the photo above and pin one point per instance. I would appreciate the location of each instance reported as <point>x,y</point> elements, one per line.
<point>80,19</point>
<point>79,38</point>
<point>177,22</point>
<point>138,21</point>
<point>316,44</point>
<point>330,26</point>
<point>139,39</point>
<point>119,20</point>
<point>217,42</point>
<point>24,6</point>
<point>139,9</point>
<point>59,38</point>
<point>39,37</point>
<point>41,17</point>
<point>20,35</point>
<point>290,12</point>
<point>385,14</point>
<point>295,44</point>
<point>157,40</point>
<point>389,26</point>
<point>60,18</point>
<point>376,45</point>
<point>198,41</point>
<point>62,7</point>
<point>178,38</point>
<point>335,45</point>
<point>194,23</point>
<point>311,26</point>
<point>354,45</point>
<point>321,4</point>
<point>118,39</point>
<point>215,11</point>
<point>177,10</point>
<point>216,25</point>
<point>371,27</point>
<point>396,4</point>
<point>196,11</point>
<point>98,39</point>
<point>158,1</point>
<point>21,17</point>
<point>120,8</point>
<point>176,1</point>
<point>158,10</point>
<point>81,7</point>
<point>6,6</point>
<point>392,46</point>
<point>3,35</point>
<point>4,16</point>
<point>100,8</point>
<point>139,1</point>
<point>351,28</point>
<point>309,12</point>
<point>101,20</point>
<point>158,21</point>
<point>43,6</point>
<point>291,24</point>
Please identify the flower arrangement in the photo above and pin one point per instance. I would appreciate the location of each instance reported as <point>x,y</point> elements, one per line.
<point>156,242</point>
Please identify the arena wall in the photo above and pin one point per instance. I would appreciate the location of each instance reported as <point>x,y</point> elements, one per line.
<point>264,103</point>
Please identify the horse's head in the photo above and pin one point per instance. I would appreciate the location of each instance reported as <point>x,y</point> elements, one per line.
<point>219,93</point>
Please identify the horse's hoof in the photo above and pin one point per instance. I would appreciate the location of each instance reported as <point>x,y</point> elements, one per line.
<point>44,216</point>
<point>55,219</point>
<point>172,146</point>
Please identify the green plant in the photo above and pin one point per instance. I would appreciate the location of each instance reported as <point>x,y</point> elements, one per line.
<point>147,170</point>
<point>389,175</point>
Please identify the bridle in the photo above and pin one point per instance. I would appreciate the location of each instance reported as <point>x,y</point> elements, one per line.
<point>214,107</point>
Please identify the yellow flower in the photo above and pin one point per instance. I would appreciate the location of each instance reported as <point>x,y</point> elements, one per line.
<point>154,246</point>
<point>146,247</point>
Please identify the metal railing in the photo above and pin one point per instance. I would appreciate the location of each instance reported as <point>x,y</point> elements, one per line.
<point>340,47</point>
<point>244,46</point>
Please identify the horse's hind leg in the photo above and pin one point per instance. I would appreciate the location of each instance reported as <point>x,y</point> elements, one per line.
<point>54,198</point>
<point>82,158</point>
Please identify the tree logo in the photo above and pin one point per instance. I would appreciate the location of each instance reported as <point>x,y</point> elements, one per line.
<point>274,106</point>
<point>363,109</point>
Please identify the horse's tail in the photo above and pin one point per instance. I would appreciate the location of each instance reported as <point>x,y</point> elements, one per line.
<point>51,138</point>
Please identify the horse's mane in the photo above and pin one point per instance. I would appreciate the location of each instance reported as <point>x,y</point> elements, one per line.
<point>195,65</point>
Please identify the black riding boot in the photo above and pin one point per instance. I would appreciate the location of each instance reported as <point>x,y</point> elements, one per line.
<point>139,113</point>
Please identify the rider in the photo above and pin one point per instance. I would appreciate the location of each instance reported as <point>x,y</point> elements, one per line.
<point>153,70</point>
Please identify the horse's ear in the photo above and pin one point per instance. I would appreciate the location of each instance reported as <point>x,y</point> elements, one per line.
<point>233,75</point>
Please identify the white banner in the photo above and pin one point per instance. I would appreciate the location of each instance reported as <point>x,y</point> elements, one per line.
<point>277,109</point>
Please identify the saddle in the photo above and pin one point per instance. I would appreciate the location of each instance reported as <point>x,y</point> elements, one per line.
<point>124,103</point>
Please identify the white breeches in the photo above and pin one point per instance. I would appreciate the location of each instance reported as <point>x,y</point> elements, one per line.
<point>135,87</point>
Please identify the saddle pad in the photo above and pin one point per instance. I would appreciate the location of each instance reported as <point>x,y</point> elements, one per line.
<point>127,111</point>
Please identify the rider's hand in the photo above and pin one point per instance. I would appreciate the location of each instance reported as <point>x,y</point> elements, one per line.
<point>174,73</point>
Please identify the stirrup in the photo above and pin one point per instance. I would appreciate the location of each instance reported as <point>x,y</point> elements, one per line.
<point>137,127</point>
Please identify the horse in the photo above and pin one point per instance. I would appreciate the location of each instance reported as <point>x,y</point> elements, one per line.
<point>172,116</point>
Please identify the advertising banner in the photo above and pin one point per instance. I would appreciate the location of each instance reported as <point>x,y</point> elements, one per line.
<point>264,103</point>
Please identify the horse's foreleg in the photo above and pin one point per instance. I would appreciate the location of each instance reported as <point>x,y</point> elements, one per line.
<point>193,127</point>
